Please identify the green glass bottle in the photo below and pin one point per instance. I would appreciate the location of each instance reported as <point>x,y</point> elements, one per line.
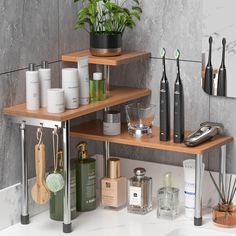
<point>85,180</point>
<point>56,205</point>
<point>97,88</point>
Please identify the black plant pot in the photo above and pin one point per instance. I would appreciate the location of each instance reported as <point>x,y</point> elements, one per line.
<point>105,45</point>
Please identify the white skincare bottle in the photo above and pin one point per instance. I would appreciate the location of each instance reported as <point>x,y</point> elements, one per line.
<point>83,81</point>
<point>70,84</point>
<point>45,82</point>
<point>32,88</point>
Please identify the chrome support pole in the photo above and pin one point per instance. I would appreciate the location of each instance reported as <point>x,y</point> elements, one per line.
<point>107,78</point>
<point>198,190</point>
<point>106,156</point>
<point>222,166</point>
<point>24,179</point>
<point>67,227</point>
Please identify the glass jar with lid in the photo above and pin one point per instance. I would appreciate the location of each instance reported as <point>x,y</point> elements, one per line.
<point>139,192</point>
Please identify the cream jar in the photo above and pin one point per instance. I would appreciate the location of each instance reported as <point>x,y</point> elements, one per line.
<point>111,123</point>
<point>56,100</point>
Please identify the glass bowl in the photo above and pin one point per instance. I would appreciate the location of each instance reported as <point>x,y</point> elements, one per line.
<point>140,118</point>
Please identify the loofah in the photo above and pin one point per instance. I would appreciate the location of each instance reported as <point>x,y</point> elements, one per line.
<point>55,182</point>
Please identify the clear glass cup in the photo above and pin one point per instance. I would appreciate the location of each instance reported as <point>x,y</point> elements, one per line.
<point>140,118</point>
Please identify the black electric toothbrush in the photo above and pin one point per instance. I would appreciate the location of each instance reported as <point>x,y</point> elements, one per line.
<point>222,76</point>
<point>208,80</point>
<point>164,102</point>
<point>178,105</point>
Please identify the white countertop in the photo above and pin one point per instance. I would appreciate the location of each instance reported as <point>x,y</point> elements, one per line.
<point>107,222</point>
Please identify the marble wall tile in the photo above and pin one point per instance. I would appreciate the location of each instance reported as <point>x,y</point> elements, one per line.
<point>171,24</point>
<point>29,33</point>
<point>12,91</point>
<point>11,197</point>
<point>70,40</point>
<point>223,110</point>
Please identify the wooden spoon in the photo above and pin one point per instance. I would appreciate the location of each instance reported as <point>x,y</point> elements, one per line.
<point>40,193</point>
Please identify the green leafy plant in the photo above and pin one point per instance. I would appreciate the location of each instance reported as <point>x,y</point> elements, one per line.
<point>107,16</point>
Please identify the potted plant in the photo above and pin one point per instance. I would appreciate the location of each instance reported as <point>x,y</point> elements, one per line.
<point>106,21</point>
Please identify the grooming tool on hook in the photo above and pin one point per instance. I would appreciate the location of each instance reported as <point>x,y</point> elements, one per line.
<point>164,102</point>
<point>39,192</point>
<point>55,181</point>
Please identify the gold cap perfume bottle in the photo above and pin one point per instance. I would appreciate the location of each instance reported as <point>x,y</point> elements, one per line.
<point>114,187</point>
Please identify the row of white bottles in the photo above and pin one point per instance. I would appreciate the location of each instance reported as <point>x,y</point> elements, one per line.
<point>37,85</point>
<point>75,87</point>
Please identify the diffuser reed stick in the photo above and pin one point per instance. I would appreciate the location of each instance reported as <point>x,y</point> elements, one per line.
<point>226,193</point>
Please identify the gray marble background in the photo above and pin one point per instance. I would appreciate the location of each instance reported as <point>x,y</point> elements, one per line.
<point>35,30</point>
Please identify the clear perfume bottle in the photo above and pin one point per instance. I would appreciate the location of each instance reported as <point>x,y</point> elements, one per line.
<point>139,192</point>
<point>168,199</point>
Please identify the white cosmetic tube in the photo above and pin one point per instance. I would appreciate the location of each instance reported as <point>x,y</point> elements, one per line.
<point>189,185</point>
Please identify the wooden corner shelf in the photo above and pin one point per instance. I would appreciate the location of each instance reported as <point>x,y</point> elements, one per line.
<point>118,95</point>
<point>94,130</point>
<point>125,57</point>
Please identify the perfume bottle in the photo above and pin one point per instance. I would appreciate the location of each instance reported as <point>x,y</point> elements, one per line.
<point>97,87</point>
<point>85,180</point>
<point>56,204</point>
<point>139,192</point>
<point>114,187</point>
<point>167,199</point>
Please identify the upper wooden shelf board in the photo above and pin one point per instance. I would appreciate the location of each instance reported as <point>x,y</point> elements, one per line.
<point>118,95</point>
<point>93,130</point>
<point>125,57</point>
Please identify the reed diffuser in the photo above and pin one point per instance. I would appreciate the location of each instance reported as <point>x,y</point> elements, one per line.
<point>224,214</point>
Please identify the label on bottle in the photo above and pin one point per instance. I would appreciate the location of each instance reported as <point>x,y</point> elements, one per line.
<point>86,186</point>
<point>73,191</point>
<point>111,128</point>
<point>109,192</point>
<point>135,196</point>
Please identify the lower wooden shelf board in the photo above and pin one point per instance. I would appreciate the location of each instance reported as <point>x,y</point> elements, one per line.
<point>94,130</point>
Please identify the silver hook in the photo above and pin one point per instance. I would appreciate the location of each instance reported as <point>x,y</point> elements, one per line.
<point>39,134</point>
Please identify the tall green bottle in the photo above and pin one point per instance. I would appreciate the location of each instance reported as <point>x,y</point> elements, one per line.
<point>56,205</point>
<point>85,180</point>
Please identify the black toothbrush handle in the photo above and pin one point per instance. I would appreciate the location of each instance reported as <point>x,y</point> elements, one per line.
<point>178,105</point>
<point>222,75</point>
<point>208,80</point>
<point>178,114</point>
<point>164,102</point>
<point>164,112</point>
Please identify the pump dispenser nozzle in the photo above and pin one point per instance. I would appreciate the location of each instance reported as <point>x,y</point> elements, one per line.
<point>82,150</point>
<point>31,67</point>
<point>44,64</point>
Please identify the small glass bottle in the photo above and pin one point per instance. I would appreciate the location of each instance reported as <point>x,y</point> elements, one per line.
<point>113,187</point>
<point>167,199</point>
<point>56,204</point>
<point>85,180</point>
<point>97,87</point>
<point>139,192</point>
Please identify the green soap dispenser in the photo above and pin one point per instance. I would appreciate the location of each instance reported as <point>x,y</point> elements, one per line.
<point>85,180</point>
<point>56,205</point>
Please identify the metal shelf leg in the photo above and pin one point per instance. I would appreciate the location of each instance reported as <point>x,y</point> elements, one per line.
<point>106,156</point>
<point>24,179</point>
<point>198,191</point>
<point>222,166</point>
<point>107,78</point>
<point>67,226</point>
